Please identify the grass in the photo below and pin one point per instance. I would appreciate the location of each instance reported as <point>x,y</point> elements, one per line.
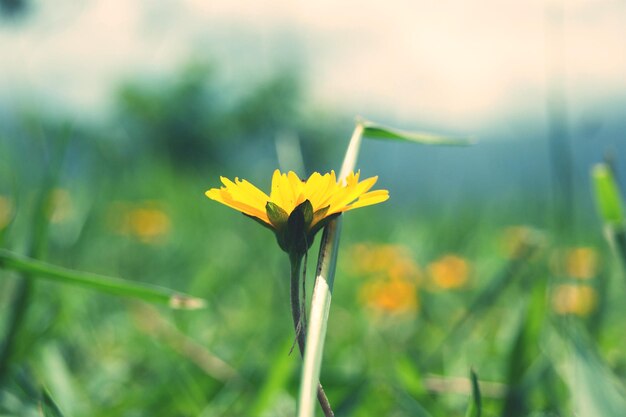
<point>91,354</point>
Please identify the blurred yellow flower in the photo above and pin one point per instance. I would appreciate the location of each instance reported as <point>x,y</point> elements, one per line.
<point>297,209</point>
<point>578,262</point>
<point>146,221</point>
<point>6,211</point>
<point>580,300</point>
<point>392,261</point>
<point>61,207</point>
<point>449,272</point>
<point>581,263</point>
<point>395,296</point>
<point>149,223</point>
<point>393,277</point>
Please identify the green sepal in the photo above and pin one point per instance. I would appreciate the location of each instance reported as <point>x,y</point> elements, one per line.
<point>294,233</point>
<point>319,215</point>
<point>296,237</point>
<point>307,212</point>
<point>277,216</point>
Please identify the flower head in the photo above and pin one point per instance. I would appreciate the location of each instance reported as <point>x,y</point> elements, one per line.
<point>295,209</point>
<point>580,300</point>
<point>391,296</point>
<point>449,272</point>
<point>146,221</point>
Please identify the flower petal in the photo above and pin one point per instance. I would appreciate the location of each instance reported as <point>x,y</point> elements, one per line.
<point>275,195</point>
<point>351,192</point>
<point>368,199</point>
<point>223,196</point>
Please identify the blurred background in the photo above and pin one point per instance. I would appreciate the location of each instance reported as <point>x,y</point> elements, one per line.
<point>116,116</point>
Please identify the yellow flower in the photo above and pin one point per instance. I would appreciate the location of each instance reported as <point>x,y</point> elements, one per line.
<point>582,263</point>
<point>144,221</point>
<point>449,272</point>
<point>148,223</point>
<point>580,300</point>
<point>577,262</point>
<point>297,209</point>
<point>393,261</point>
<point>396,296</point>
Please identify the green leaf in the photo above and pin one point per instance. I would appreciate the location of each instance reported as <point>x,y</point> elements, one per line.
<point>376,131</point>
<point>116,286</point>
<point>474,408</point>
<point>607,194</point>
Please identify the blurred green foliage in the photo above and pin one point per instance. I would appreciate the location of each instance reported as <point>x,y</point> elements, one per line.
<point>193,122</point>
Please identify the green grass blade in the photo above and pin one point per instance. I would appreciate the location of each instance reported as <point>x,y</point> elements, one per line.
<point>608,198</point>
<point>48,406</point>
<point>595,390</point>
<point>610,206</point>
<point>276,380</point>
<point>110,285</point>
<point>21,298</point>
<point>474,408</point>
<point>318,319</point>
<point>377,131</point>
<point>322,292</point>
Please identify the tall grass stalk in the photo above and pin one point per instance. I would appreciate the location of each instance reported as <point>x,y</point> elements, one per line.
<point>322,293</point>
<point>299,322</point>
<point>327,260</point>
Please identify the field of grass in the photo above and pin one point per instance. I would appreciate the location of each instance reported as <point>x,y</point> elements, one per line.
<point>421,297</point>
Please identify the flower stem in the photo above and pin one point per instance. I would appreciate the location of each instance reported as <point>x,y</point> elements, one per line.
<point>299,324</point>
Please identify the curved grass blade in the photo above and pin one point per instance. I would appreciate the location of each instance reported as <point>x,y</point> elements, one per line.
<point>475,406</point>
<point>327,260</point>
<point>377,131</point>
<point>48,407</point>
<point>595,389</point>
<point>110,285</point>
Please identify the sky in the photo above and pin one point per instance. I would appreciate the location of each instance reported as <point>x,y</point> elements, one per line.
<point>455,63</point>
